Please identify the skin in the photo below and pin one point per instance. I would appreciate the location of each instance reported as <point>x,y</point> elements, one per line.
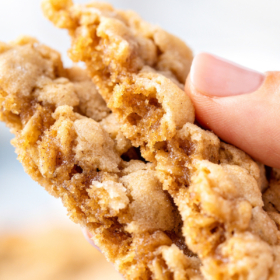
<point>239,105</point>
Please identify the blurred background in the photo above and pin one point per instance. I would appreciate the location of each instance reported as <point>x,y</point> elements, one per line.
<point>37,241</point>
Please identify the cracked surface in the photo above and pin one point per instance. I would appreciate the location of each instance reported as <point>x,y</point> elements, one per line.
<point>76,153</point>
<point>216,188</point>
<point>188,207</point>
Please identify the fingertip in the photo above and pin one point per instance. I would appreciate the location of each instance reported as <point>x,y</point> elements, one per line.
<point>247,121</point>
<point>213,76</point>
<point>202,103</point>
<point>88,237</point>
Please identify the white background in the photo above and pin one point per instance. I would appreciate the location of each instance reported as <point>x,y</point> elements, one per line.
<point>245,31</point>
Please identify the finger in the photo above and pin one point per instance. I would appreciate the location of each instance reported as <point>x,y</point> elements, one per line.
<point>88,237</point>
<point>241,106</point>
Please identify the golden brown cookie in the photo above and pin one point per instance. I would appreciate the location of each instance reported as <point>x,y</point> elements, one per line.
<point>216,188</point>
<point>188,207</point>
<point>101,179</point>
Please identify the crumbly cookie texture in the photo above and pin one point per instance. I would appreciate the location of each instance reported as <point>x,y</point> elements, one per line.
<point>76,150</point>
<point>216,188</point>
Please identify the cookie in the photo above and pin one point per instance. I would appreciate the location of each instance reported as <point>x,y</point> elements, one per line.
<point>216,188</point>
<point>163,198</point>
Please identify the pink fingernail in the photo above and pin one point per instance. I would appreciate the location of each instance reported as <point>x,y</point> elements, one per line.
<point>214,76</point>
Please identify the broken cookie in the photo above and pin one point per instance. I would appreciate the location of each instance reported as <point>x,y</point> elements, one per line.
<point>75,151</point>
<point>140,70</point>
<point>186,206</point>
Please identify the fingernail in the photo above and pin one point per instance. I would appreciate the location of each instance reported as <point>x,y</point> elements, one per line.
<point>214,76</point>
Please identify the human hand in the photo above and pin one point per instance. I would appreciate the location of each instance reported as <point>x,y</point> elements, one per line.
<point>239,105</point>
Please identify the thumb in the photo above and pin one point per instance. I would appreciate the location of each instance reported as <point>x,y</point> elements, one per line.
<point>241,106</point>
